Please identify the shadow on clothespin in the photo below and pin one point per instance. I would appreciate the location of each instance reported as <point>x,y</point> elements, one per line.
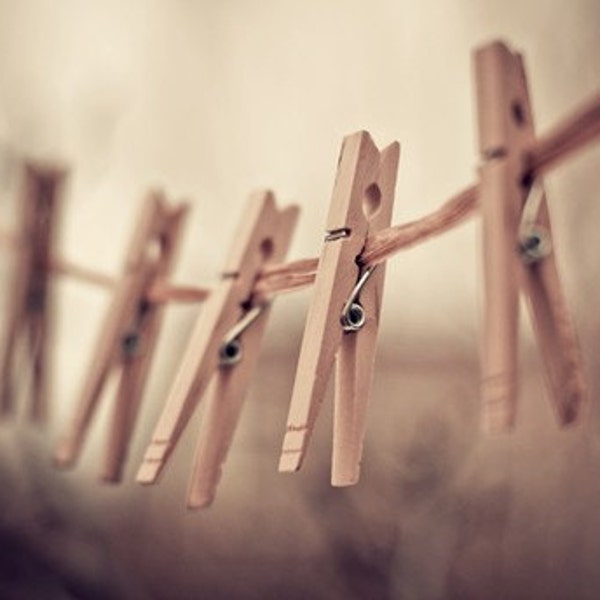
<point>518,252</point>
<point>128,336</point>
<point>223,351</point>
<point>29,310</point>
<point>343,318</point>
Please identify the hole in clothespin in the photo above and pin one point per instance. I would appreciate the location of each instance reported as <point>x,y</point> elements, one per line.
<point>266,248</point>
<point>371,200</point>
<point>518,113</point>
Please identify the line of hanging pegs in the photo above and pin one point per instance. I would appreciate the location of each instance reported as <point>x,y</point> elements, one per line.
<point>344,313</point>
<point>580,128</point>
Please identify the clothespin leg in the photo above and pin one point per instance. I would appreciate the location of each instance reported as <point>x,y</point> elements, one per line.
<point>38,340</point>
<point>353,384</point>
<point>9,355</point>
<point>184,396</point>
<point>70,445</point>
<point>501,300</point>
<point>15,323</point>
<point>317,358</point>
<point>557,338</point>
<point>223,408</point>
<point>127,402</point>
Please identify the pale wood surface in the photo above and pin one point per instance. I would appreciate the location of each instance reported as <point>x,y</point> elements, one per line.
<point>254,245</point>
<point>228,389</point>
<point>506,134</point>
<point>360,166</point>
<point>151,255</point>
<point>29,311</point>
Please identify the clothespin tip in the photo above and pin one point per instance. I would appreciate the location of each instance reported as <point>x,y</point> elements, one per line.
<point>151,467</point>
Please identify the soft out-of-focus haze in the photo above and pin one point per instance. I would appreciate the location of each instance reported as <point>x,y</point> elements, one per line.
<point>210,100</point>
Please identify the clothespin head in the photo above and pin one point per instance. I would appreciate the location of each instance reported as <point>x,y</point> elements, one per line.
<point>29,318</point>
<point>517,249</point>
<point>343,317</point>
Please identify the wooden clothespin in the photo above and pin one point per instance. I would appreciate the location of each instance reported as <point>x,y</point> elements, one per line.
<point>518,249</point>
<point>343,317</point>
<point>128,336</point>
<point>29,318</point>
<point>223,348</point>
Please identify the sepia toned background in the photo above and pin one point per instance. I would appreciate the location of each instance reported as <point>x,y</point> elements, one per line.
<point>210,100</point>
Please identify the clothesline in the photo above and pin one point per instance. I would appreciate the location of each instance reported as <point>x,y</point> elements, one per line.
<point>579,128</point>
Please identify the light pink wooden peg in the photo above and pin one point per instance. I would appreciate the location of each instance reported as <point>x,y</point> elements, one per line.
<point>362,204</point>
<point>517,249</point>
<point>224,348</point>
<point>29,311</point>
<point>128,336</point>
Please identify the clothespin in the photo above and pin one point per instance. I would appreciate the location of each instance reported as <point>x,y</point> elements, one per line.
<point>29,319</point>
<point>518,249</point>
<point>223,349</point>
<point>128,336</point>
<point>343,317</point>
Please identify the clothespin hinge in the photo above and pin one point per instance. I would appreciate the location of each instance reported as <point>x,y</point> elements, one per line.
<point>230,352</point>
<point>353,314</point>
<point>534,240</point>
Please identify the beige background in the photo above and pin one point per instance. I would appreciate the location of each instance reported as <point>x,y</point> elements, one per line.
<point>210,100</point>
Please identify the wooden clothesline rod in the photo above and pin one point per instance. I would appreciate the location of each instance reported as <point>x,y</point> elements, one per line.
<point>575,131</point>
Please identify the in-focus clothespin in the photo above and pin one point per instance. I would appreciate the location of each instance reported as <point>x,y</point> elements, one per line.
<point>518,249</point>
<point>223,348</point>
<point>128,336</point>
<point>29,318</point>
<point>343,318</point>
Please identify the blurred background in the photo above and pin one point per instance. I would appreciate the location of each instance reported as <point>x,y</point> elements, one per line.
<point>208,101</point>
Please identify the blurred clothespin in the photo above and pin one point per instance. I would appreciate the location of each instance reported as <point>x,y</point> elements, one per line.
<point>128,336</point>
<point>29,318</point>
<point>518,251</point>
<point>223,349</point>
<point>343,318</point>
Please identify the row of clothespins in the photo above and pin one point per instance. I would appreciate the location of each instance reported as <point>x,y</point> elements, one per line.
<point>344,314</point>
